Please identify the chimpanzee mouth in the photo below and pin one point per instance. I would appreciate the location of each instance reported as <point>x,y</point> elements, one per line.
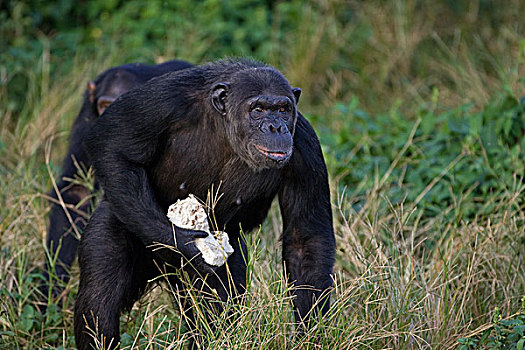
<point>278,156</point>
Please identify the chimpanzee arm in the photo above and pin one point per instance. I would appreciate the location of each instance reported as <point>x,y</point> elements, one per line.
<point>308,237</point>
<point>124,142</point>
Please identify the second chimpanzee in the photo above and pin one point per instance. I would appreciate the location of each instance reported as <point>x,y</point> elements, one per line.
<point>65,221</point>
<point>231,125</point>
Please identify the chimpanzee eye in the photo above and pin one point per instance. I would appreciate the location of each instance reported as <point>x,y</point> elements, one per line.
<point>282,110</point>
<point>258,109</point>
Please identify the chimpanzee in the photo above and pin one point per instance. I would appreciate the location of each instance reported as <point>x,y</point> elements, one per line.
<point>232,123</point>
<point>99,94</point>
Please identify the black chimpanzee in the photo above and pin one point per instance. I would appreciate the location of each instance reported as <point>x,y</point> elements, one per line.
<point>233,123</point>
<point>99,94</point>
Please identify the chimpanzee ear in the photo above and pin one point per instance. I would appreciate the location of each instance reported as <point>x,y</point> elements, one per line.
<point>91,90</point>
<point>297,94</point>
<point>103,102</point>
<point>218,97</point>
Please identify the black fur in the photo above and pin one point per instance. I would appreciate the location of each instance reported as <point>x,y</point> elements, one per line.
<point>182,133</point>
<point>107,87</point>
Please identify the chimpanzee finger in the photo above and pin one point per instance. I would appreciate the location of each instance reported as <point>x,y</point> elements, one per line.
<point>191,234</point>
<point>197,234</point>
<point>202,266</point>
<point>190,250</point>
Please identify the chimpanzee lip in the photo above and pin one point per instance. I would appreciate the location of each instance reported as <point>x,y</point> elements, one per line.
<point>274,155</point>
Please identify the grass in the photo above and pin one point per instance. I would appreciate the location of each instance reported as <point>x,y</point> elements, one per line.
<point>421,261</point>
<point>399,295</point>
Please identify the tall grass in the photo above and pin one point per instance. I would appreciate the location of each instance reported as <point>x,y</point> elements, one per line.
<point>389,291</point>
<point>402,280</point>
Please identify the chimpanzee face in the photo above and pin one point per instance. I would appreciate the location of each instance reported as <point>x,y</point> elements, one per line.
<point>113,84</point>
<point>260,111</point>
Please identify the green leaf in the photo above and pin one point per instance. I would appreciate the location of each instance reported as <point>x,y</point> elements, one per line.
<point>520,330</point>
<point>520,344</point>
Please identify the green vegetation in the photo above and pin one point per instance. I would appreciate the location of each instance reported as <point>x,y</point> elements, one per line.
<point>417,105</point>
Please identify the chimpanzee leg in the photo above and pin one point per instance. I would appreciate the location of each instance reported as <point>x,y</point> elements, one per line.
<point>229,281</point>
<point>114,270</point>
<point>232,272</point>
<point>62,240</point>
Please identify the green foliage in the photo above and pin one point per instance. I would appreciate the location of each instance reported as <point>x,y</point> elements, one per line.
<point>458,157</point>
<point>25,317</point>
<point>503,334</point>
<point>65,28</point>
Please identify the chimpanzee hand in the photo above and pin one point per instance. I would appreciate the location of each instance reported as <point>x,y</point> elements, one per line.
<point>185,244</point>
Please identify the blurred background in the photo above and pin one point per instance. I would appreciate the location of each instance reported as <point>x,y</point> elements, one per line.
<point>378,51</point>
<point>417,106</point>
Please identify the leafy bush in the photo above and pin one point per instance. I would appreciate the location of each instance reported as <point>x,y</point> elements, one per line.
<point>457,158</point>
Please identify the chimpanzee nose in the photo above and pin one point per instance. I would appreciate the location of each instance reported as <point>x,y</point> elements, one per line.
<point>274,129</point>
